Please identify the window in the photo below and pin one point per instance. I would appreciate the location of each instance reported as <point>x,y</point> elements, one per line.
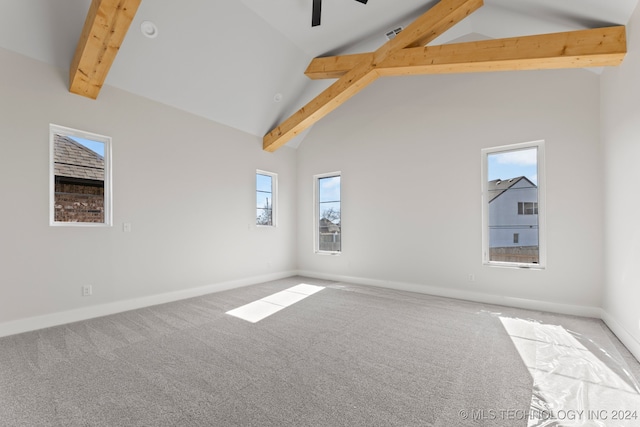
<point>527,208</point>
<point>80,177</point>
<point>513,205</point>
<point>327,213</point>
<point>266,189</point>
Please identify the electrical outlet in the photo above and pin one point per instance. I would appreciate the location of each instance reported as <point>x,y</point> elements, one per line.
<point>87,290</point>
<point>126,227</point>
<point>472,278</point>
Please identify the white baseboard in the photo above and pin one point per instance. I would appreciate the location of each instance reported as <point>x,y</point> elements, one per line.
<point>575,310</point>
<point>60,318</point>
<point>623,335</point>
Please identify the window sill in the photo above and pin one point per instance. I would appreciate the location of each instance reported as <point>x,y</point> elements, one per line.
<point>79,224</point>
<point>514,265</point>
<point>328,253</point>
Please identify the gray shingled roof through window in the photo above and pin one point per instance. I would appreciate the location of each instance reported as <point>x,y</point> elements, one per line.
<point>498,186</point>
<point>74,160</point>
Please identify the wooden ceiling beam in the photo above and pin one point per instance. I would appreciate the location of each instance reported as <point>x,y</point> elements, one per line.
<point>427,27</point>
<point>334,67</point>
<point>574,49</point>
<point>104,30</point>
<point>331,98</point>
<point>430,25</point>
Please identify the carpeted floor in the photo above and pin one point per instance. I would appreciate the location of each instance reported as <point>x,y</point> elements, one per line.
<point>346,356</point>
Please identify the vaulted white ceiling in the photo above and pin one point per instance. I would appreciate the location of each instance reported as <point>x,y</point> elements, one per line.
<point>226,60</point>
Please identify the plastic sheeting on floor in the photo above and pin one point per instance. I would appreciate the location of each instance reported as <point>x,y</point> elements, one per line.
<point>576,381</point>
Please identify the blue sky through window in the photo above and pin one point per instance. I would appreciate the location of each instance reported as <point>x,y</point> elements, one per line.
<point>95,146</point>
<point>329,189</point>
<point>329,194</point>
<point>512,164</point>
<point>264,193</point>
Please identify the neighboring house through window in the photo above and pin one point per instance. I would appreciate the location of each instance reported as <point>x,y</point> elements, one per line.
<point>80,178</point>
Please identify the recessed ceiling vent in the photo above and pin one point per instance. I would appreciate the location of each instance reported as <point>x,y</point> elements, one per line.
<point>149,29</point>
<point>391,34</point>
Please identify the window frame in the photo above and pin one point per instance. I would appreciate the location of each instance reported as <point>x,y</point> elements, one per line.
<point>108,196</point>
<point>274,198</point>
<point>316,213</point>
<point>541,204</point>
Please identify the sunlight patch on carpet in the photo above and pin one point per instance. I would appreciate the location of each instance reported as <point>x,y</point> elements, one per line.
<point>265,307</point>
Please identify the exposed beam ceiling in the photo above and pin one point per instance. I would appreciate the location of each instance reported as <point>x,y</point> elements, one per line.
<point>426,28</point>
<point>406,55</point>
<point>104,30</point>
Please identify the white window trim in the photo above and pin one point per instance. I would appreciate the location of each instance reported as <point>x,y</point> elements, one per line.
<point>316,214</point>
<point>108,206</point>
<point>542,188</point>
<point>274,198</point>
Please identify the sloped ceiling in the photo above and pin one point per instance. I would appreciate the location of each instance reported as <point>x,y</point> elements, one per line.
<point>226,60</point>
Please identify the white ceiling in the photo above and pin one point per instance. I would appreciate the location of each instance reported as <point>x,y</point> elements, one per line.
<point>225,60</point>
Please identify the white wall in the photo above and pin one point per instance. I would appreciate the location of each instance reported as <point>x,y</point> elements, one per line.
<point>185,184</point>
<point>409,152</point>
<point>621,147</point>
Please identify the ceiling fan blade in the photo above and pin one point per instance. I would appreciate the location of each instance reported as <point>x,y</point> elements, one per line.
<point>315,16</point>
<point>317,10</point>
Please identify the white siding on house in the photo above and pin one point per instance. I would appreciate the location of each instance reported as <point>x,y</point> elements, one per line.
<point>504,220</point>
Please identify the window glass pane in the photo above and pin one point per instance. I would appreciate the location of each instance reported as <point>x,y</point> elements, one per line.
<point>264,199</point>
<point>329,189</point>
<point>79,177</point>
<point>512,190</point>
<point>263,182</point>
<point>329,227</point>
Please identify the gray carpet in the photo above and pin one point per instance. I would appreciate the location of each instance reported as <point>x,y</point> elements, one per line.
<point>346,356</point>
